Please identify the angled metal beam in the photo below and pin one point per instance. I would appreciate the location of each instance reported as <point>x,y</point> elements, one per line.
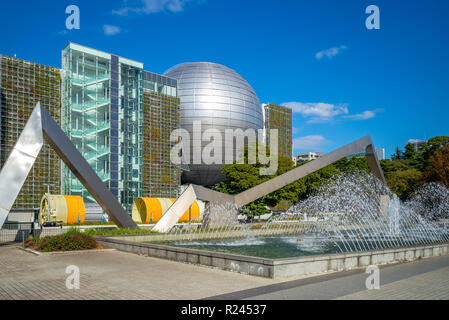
<point>281,181</point>
<point>373,162</point>
<point>209,195</point>
<point>261,190</point>
<point>176,210</point>
<point>19,163</point>
<point>42,126</point>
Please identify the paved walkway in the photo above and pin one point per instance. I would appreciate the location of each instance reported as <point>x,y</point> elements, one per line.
<point>423,279</point>
<point>112,275</point>
<point>120,275</point>
<point>432,285</point>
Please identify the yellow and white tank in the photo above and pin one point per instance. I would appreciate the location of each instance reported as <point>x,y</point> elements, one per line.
<point>61,208</point>
<point>150,210</point>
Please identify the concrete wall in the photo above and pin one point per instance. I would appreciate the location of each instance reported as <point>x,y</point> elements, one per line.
<point>274,268</point>
<point>20,216</point>
<point>237,263</point>
<point>348,261</point>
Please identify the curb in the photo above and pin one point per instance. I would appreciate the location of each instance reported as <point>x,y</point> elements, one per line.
<point>63,252</point>
<point>37,253</point>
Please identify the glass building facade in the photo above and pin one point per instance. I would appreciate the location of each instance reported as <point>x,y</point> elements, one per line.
<point>102,109</point>
<point>22,85</point>
<point>118,116</point>
<point>280,118</point>
<point>110,104</point>
<point>130,98</point>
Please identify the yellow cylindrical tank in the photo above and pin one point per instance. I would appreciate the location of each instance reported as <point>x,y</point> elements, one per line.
<point>151,210</point>
<point>61,208</point>
<point>191,214</point>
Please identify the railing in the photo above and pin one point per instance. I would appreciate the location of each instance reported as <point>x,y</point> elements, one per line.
<point>19,232</point>
<point>15,232</point>
<point>94,155</point>
<point>80,80</point>
<point>89,106</point>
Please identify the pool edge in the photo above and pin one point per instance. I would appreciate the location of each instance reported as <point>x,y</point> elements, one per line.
<point>277,268</point>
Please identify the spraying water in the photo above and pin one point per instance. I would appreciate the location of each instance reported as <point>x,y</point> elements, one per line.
<point>345,215</point>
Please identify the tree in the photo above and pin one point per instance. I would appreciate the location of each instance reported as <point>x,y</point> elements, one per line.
<point>317,179</point>
<point>346,165</point>
<point>255,208</point>
<point>389,166</point>
<point>438,168</point>
<point>397,155</point>
<point>403,173</point>
<point>402,176</point>
<point>290,193</point>
<point>410,152</point>
<point>430,147</point>
<point>240,177</point>
<point>404,182</point>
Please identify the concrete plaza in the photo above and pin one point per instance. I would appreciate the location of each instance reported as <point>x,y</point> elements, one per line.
<point>113,274</point>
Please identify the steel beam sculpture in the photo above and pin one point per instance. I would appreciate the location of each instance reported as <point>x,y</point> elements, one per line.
<point>42,126</point>
<point>281,181</point>
<point>261,190</point>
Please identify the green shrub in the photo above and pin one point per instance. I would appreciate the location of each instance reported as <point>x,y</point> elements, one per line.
<point>117,231</point>
<point>256,226</point>
<point>71,240</point>
<point>90,223</point>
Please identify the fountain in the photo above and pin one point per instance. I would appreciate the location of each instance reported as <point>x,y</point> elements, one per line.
<point>343,216</point>
<point>353,213</point>
<point>353,221</point>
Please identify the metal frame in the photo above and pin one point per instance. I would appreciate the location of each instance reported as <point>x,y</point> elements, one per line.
<point>42,126</point>
<point>171,217</point>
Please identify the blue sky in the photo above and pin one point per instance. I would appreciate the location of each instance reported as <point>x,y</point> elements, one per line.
<point>342,80</point>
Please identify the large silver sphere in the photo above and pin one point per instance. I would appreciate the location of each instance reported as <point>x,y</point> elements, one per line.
<point>218,97</point>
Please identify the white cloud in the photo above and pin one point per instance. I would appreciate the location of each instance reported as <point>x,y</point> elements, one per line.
<point>318,111</point>
<point>111,30</point>
<point>310,143</point>
<point>365,115</point>
<point>152,6</point>
<point>330,53</point>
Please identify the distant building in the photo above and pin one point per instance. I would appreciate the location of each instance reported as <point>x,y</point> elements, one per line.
<point>417,144</point>
<point>120,118</point>
<point>280,118</point>
<point>117,115</point>
<point>307,156</point>
<point>160,177</point>
<point>380,152</point>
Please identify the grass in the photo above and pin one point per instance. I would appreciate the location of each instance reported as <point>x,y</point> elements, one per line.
<point>93,223</point>
<point>71,240</point>
<point>256,226</point>
<point>117,231</point>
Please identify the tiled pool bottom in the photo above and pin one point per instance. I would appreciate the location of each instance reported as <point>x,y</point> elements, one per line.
<point>263,247</point>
